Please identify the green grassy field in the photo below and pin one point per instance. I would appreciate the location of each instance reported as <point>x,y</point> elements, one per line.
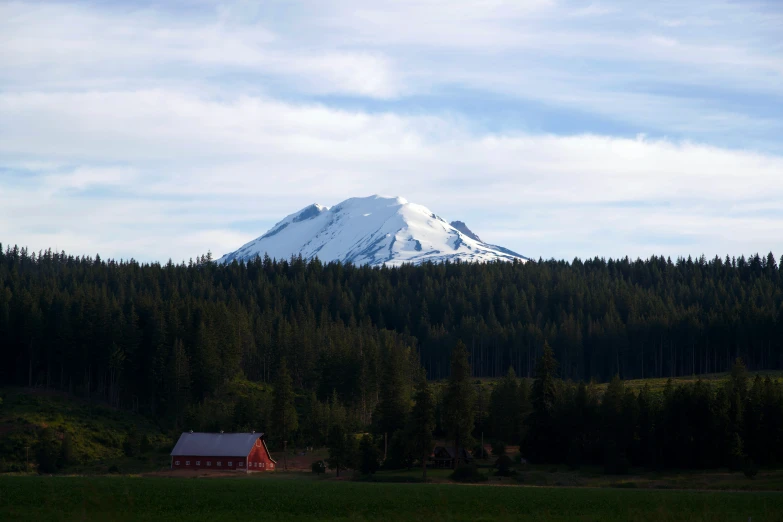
<point>594,477</point>
<point>656,384</point>
<point>116,498</point>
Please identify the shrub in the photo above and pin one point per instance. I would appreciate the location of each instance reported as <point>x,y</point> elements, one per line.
<point>399,455</point>
<point>498,448</point>
<point>503,465</point>
<point>318,467</point>
<point>144,444</point>
<point>737,457</point>
<point>574,457</point>
<point>47,451</point>
<point>368,456</point>
<point>479,452</point>
<point>750,469</point>
<point>66,451</point>
<point>615,461</point>
<point>132,442</point>
<point>468,474</point>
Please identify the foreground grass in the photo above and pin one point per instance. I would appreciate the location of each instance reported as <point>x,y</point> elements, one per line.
<point>128,498</point>
<point>594,477</point>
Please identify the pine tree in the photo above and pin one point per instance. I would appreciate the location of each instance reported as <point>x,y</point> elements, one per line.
<point>394,403</point>
<point>736,453</point>
<point>284,417</point>
<point>421,424</point>
<point>47,451</point>
<point>338,439</point>
<point>337,443</point>
<point>369,455</point>
<point>539,442</point>
<point>459,401</point>
<point>66,451</point>
<point>132,442</point>
<point>180,379</point>
<point>506,409</point>
<point>647,441</point>
<point>615,458</point>
<point>482,410</point>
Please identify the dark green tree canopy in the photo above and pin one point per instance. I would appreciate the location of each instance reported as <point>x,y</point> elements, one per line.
<point>284,417</point>
<point>161,338</point>
<point>459,401</point>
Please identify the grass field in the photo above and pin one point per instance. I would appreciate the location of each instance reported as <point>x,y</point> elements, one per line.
<point>594,477</point>
<point>656,384</point>
<point>127,498</point>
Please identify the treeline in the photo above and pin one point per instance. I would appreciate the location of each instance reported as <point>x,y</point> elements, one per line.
<point>160,338</point>
<point>698,425</point>
<point>737,424</point>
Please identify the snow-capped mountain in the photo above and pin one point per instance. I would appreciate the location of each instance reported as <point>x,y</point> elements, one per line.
<point>373,231</point>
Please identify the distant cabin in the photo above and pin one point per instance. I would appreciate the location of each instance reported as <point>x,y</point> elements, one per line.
<point>443,457</point>
<point>245,452</point>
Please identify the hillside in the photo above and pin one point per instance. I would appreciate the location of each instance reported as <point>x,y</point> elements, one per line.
<point>97,433</point>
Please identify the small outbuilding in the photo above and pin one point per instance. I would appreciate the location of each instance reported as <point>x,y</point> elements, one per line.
<point>245,452</point>
<point>443,457</point>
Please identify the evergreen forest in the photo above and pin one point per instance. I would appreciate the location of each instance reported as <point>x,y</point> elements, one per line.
<point>349,348</point>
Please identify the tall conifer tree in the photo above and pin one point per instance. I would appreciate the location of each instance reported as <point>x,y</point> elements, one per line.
<point>284,417</point>
<point>421,424</point>
<point>541,435</point>
<point>394,403</point>
<point>459,401</point>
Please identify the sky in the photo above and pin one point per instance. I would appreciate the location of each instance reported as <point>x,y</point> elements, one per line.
<point>556,128</point>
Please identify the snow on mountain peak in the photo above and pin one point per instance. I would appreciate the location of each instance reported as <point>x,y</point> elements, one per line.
<point>373,230</point>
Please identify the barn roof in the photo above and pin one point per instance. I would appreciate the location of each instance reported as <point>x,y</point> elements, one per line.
<point>215,444</point>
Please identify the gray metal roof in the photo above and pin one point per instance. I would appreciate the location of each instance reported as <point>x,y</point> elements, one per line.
<point>215,444</point>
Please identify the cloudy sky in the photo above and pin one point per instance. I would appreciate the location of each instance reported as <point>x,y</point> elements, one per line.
<point>557,128</point>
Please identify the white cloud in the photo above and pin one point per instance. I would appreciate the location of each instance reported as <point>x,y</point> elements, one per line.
<point>77,47</point>
<point>162,132</point>
<point>202,166</point>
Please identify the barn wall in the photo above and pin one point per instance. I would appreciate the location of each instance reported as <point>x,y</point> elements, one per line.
<point>209,463</point>
<point>259,458</point>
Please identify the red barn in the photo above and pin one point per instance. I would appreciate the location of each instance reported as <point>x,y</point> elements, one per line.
<point>222,452</point>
